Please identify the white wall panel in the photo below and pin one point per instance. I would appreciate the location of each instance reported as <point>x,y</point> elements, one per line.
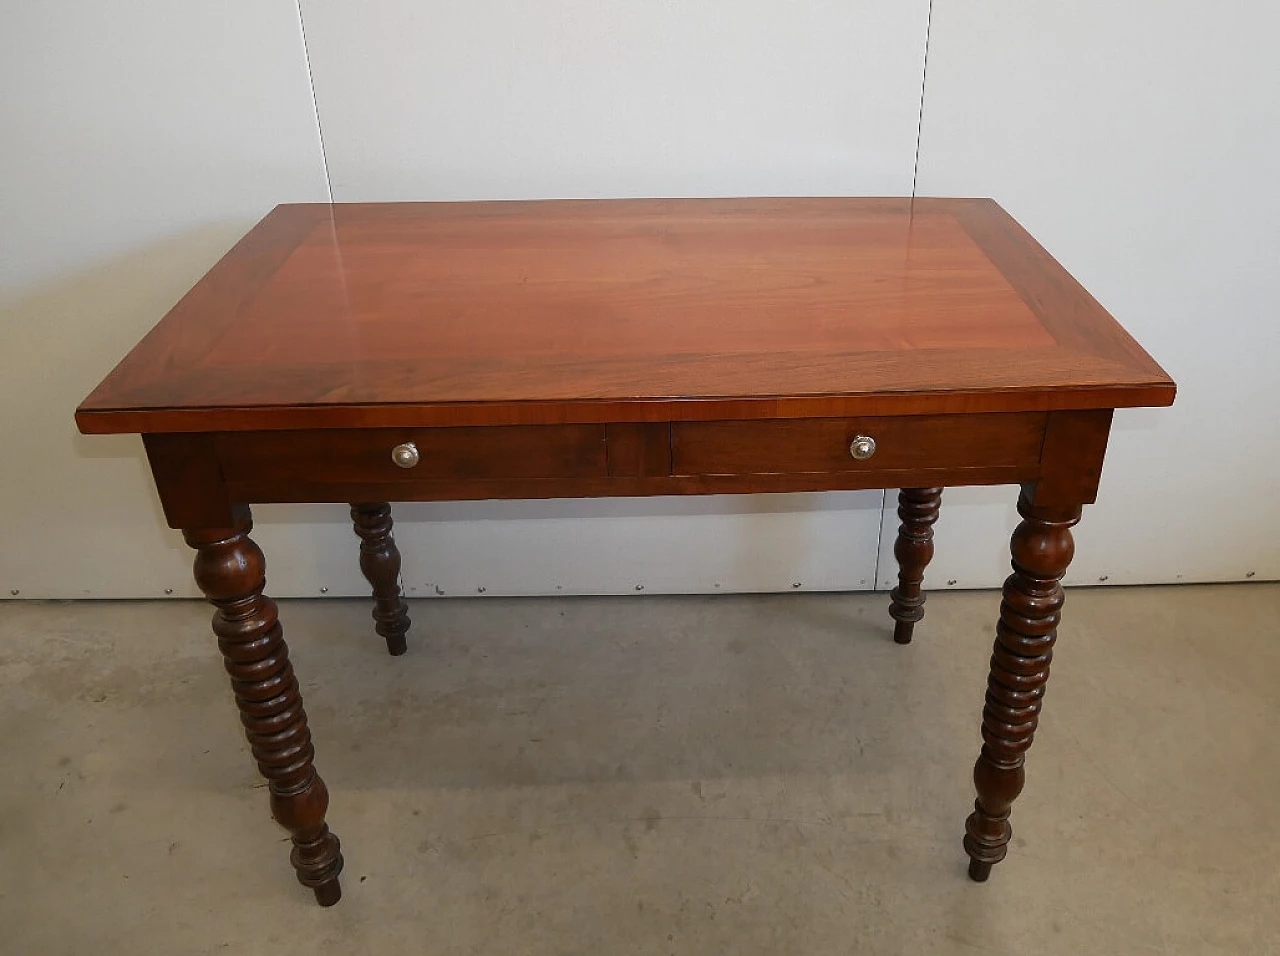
<point>1138,142</point>
<point>811,542</point>
<point>138,140</point>
<point>501,99</point>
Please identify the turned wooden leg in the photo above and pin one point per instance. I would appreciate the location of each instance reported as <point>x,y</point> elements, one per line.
<point>1030,610</point>
<point>230,570</point>
<point>917,510</point>
<point>380,562</point>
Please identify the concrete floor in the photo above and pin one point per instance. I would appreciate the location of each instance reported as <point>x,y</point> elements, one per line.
<point>738,775</point>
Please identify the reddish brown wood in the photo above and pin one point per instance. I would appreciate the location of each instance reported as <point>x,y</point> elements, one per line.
<point>917,510</point>
<point>1075,443</point>
<point>822,444</point>
<point>265,487</point>
<point>639,450</point>
<point>1069,313</point>
<point>230,570</point>
<point>356,455</point>
<point>630,459</point>
<point>616,311</point>
<point>202,475</point>
<point>1030,611</point>
<point>189,480</point>
<point>380,564</point>
<point>640,410</point>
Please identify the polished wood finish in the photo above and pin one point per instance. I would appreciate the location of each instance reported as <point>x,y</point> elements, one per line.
<point>423,314</point>
<point>206,475</point>
<point>646,347</point>
<point>637,450</point>
<point>230,570</point>
<point>1030,610</point>
<point>266,488</point>
<point>357,456</point>
<point>917,510</point>
<point>822,444</point>
<point>380,564</point>
<point>188,477</point>
<point>1071,459</point>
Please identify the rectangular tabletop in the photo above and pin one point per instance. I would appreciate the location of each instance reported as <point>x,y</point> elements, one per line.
<point>421,314</point>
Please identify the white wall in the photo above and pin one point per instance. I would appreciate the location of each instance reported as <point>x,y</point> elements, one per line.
<point>1138,142</point>
<point>497,99</point>
<point>140,139</point>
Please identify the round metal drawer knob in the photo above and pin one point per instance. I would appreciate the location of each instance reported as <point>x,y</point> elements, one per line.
<point>406,455</point>
<point>862,447</point>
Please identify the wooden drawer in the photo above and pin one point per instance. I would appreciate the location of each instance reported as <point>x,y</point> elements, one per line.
<point>348,456</point>
<point>821,445</point>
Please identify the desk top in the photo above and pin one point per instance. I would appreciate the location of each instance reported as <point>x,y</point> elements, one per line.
<point>415,314</point>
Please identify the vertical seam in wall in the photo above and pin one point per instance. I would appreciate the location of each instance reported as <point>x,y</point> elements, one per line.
<point>315,107</point>
<point>924,77</point>
<point>875,574</point>
<point>915,179</point>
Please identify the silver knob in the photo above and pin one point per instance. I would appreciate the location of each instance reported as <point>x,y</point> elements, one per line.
<point>862,447</point>
<point>406,455</point>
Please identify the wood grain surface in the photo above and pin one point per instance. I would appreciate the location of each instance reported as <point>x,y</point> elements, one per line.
<point>419,314</point>
<point>822,444</point>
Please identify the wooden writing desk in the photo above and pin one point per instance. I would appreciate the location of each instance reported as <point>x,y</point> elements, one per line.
<point>423,352</point>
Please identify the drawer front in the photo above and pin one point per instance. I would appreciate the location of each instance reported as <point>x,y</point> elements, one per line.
<point>822,445</point>
<point>344,456</point>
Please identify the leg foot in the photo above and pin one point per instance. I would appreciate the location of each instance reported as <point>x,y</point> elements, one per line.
<point>978,872</point>
<point>230,570</point>
<point>917,510</point>
<point>1030,610</point>
<point>380,564</point>
<point>328,893</point>
<point>903,631</point>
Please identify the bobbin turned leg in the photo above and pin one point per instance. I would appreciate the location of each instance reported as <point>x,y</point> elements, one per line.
<point>230,570</point>
<point>380,563</point>
<point>1030,610</point>
<point>917,510</point>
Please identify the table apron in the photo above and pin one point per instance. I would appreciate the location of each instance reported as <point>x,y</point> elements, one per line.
<point>265,490</point>
<point>201,476</point>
